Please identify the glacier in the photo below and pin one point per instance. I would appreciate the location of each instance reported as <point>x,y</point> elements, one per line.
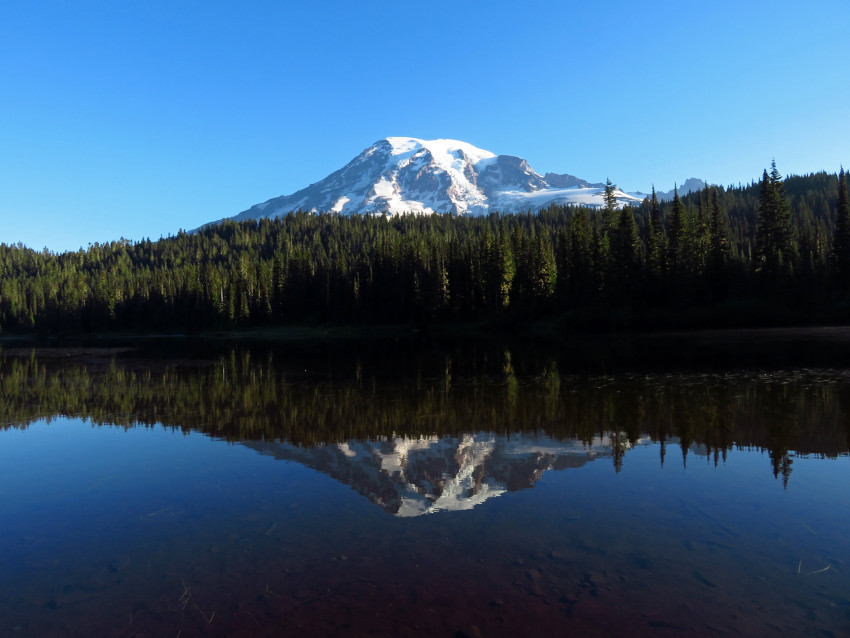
<point>399,175</point>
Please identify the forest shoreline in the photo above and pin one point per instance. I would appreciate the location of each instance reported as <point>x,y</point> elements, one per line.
<point>495,331</point>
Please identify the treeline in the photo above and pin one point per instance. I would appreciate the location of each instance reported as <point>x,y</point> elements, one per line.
<point>776,251</point>
<point>242,396</point>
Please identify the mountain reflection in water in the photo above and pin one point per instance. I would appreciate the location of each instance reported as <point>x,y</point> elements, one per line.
<point>141,495</point>
<point>309,399</point>
<point>413,476</point>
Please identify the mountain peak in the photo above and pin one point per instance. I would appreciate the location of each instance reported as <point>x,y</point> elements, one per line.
<point>438,148</point>
<point>408,174</point>
<point>691,184</point>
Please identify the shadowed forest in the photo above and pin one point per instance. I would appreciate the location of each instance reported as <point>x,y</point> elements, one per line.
<point>774,252</point>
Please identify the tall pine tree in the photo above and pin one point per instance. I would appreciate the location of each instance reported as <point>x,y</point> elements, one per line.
<point>718,240</point>
<point>774,245</point>
<point>842,229</point>
<point>676,248</point>
<point>654,238</point>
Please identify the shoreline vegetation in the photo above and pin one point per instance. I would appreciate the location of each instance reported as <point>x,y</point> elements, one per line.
<point>773,253</point>
<point>539,331</point>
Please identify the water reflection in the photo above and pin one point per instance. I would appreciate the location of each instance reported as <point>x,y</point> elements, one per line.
<point>298,402</point>
<point>413,476</point>
<point>629,504</point>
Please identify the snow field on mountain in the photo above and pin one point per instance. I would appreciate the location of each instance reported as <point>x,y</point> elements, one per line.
<point>409,175</point>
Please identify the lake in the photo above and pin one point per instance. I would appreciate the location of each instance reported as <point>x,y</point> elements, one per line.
<point>668,486</point>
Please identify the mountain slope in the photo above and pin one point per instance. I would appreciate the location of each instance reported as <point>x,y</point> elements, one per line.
<point>405,174</point>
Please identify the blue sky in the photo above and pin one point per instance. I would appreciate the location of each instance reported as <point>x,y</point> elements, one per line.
<point>134,120</point>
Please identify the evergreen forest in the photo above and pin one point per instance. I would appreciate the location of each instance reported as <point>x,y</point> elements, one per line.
<point>774,252</point>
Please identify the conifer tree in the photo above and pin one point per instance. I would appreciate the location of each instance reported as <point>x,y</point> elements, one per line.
<point>505,268</point>
<point>599,256</point>
<point>580,253</point>
<point>609,208</point>
<point>625,251</point>
<point>842,229</point>
<point>543,270</point>
<point>676,236</point>
<point>774,248</point>
<point>764,222</point>
<point>654,239</point>
<point>718,240</point>
<point>701,231</point>
<point>718,231</point>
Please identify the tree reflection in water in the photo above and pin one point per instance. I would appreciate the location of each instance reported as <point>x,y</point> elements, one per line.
<point>240,395</point>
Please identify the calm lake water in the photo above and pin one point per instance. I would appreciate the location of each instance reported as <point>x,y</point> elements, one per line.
<point>395,490</point>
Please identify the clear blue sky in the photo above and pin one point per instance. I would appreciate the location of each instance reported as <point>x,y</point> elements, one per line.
<point>136,119</point>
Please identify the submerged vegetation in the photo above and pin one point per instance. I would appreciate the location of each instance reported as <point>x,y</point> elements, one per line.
<point>772,252</point>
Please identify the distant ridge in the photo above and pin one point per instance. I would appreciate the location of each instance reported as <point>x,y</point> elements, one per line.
<point>691,185</point>
<point>566,180</point>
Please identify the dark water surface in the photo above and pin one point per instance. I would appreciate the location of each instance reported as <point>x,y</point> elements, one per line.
<point>468,491</point>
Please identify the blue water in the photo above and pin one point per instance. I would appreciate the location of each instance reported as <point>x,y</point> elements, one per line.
<point>149,531</point>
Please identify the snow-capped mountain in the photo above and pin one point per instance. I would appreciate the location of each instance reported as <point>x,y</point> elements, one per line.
<point>405,174</point>
<point>413,476</point>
